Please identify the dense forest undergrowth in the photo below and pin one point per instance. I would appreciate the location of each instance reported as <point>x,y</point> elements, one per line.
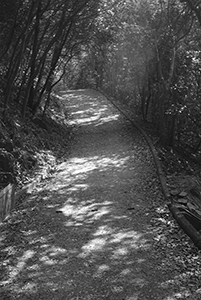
<point>173,160</point>
<point>32,146</point>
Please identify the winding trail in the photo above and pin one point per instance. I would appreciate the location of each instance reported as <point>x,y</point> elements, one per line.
<point>88,232</point>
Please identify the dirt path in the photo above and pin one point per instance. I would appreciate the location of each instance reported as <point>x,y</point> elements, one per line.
<point>98,228</point>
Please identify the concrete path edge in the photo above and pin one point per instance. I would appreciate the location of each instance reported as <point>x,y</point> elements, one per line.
<point>187,227</point>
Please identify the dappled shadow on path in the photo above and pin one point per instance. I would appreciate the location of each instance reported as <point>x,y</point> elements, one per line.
<point>85,234</point>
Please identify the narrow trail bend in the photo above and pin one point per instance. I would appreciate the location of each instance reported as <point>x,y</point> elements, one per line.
<point>88,232</point>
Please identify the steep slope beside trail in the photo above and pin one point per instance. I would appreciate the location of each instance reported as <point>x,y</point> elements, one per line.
<point>98,229</point>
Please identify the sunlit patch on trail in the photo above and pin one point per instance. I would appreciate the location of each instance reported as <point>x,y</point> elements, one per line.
<point>77,165</point>
<point>108,119</point>
<point>120,243</point>
<point>103,230</point>
<point>80,212</point>
<point>85,120</point>
<point>95,114</point>
<point>96,244</point>
<point>75,173</point>
<point>101,270</point>
<point>21,264</point>
<point>78,187</point>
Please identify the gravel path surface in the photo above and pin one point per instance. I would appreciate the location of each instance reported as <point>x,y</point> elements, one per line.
<point>98,229</point>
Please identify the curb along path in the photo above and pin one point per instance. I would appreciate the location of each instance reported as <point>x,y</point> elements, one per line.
<point>151,146</point>
<point>98,229</point>
<point>188,228</point>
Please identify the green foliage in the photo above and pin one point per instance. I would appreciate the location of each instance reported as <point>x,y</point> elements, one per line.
<point>153,62</point>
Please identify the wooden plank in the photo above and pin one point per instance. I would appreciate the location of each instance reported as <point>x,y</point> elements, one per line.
<point>6,201</point>
<point>9,196</point>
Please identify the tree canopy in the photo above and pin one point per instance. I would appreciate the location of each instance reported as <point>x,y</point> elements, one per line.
<point>38,39</point>
<point>145,52</point>
<point>148,55</point>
